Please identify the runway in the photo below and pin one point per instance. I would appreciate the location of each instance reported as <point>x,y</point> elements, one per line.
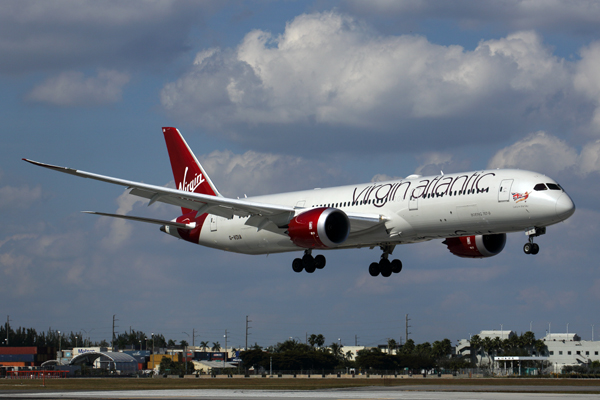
<point>392,393</point>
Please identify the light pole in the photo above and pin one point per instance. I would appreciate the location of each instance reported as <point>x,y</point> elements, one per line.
<point>140,344</point>
<point>225,358</point>
<point>59,347</point>
<point>530,326</point>
<point>152,343</point>
<point>185,354</point>
<point>501,332</point>
<point>76,341</point>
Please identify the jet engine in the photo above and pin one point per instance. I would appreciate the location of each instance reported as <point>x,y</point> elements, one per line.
<point>479,246</point>
<point>319,228</point>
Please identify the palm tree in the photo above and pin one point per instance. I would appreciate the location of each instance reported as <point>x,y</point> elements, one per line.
<point>349,355</point>
<point>540,346</point>
<point>488,346</point>
<point>312,339</point>
<point>529,341</point>
<point>475,346</point>
<point>336,350</point>
<point>216,346</point>
<point>204,345</point>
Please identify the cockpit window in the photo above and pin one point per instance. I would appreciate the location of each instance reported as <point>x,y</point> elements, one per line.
<point>540,186</point>
<point>553,186</point>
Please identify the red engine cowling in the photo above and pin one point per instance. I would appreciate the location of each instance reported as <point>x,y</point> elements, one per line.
<point>319,228</point>
<point>479,246</point>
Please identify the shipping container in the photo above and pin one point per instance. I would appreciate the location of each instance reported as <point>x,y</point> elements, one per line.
<point>202,356</point>
<point>27,350</point>
<point>15,364</point>
<point>17,357</point>
<point>18,350</point>
<point>157,357</point>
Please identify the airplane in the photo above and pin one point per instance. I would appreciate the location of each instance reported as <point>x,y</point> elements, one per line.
<point>472,212</point>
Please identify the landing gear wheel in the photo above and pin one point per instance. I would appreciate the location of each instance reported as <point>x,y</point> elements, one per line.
<point>374,269</point>
<point>396,266</point>
<point>535,248</point>
<point>386,267</point>
<point>320,261</point>
<point>297,265</point>
<point>527,248</point>
<point>308,262</point>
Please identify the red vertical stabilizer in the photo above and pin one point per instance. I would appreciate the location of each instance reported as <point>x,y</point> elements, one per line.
<point>187,171</point>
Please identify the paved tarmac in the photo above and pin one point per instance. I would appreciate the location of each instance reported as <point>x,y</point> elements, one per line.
<point>404,393</point>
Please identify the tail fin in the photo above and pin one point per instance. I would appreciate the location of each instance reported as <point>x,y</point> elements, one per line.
<point>187,171</point>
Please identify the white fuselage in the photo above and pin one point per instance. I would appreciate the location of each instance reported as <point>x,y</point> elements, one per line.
<point>414,209</point>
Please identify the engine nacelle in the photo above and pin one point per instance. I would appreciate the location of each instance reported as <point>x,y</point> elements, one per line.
<point>479,246</point>
<point>319,228</point>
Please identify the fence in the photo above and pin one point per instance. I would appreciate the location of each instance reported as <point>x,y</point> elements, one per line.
<point>35,374</point>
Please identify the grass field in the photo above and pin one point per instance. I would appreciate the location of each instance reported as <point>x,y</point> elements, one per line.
<point>85,384</point>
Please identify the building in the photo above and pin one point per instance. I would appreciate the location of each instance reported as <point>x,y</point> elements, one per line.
<point>562,349</point>
<point>567,349</point>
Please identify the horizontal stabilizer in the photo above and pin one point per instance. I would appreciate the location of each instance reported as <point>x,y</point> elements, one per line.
<point>173,224</point>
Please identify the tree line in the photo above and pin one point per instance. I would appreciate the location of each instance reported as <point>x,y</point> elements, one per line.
<point>54,338</point>
<point>125,340</point>
<point>292,355</point>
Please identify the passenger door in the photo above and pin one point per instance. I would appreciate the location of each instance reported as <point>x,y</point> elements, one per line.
<point>504,190</point>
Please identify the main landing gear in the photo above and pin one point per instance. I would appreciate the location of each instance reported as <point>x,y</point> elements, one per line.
<point>530,247</point>
<point>385,267</point>
<point>308,262</point>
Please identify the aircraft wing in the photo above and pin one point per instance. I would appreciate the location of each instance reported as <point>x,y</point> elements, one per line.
<point>202,203</point>
<point>173,224</point>
<point>261,213</point>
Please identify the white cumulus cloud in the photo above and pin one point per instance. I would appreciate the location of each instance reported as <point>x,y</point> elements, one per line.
<point>255,173</point>
<point>542,152</point>
<point>19,197</point>
<point>73,88</point>
<point>587,78</point>
<point>331,70</point>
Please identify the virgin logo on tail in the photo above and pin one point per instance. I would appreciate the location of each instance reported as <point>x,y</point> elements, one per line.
<point>192,185</point>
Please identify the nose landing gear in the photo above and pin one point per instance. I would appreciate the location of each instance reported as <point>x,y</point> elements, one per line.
<point>385,267</point>
<point>530,247</point>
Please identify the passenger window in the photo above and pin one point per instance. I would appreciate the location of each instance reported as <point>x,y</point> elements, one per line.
<point>540,186</point>
<point>553,186</point>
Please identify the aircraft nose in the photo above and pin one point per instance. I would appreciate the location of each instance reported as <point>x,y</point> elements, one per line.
<point>564,206</point>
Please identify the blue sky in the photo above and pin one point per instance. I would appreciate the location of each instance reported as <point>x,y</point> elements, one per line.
<point>278,96</point>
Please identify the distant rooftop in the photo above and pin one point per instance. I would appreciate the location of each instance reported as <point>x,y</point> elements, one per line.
<point>568,337</point>
<point>502,334</point>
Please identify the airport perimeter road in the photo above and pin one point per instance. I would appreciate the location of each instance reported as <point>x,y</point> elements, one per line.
<point>404,393</point>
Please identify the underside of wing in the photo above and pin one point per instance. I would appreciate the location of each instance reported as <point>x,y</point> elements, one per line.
<point>362,223</point>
